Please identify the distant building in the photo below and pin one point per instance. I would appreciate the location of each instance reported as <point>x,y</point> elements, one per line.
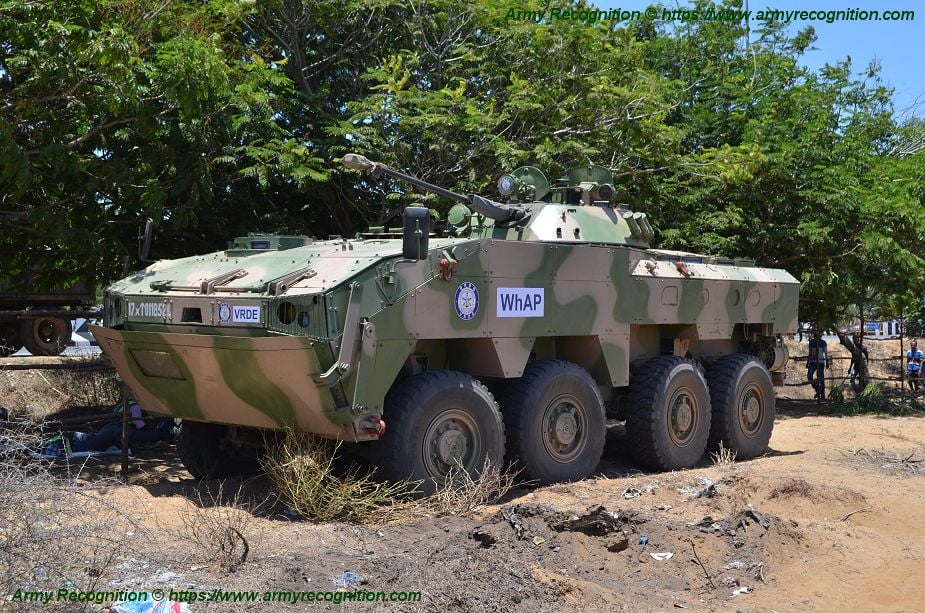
<point>876,328</point>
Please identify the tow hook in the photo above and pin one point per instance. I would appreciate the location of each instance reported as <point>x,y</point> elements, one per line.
<point>375,425</point>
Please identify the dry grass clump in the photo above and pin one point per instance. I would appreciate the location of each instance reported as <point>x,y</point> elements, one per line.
<point>302,466</point>
<point>464,494</point>
<point>219,526</point>
<point>54,531</point>
<point>723,457</point>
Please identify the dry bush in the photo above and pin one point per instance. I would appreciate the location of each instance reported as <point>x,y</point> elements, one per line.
<point>54,531</point>
<point>88,387</point>
<point>723,457</point>
<point>301,466</point>
<point>462,494</point>
<point>907,463</point>
<point>218,526</point>
<point>39,393</point>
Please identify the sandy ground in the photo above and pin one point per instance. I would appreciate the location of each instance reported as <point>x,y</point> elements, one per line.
<point>832,518</point>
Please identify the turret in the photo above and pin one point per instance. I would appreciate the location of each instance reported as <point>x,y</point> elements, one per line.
<point>578,208</point>
<point>482,206</point>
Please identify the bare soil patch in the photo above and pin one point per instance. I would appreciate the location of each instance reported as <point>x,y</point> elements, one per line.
<point>832,518</point>
<point>809,526</point>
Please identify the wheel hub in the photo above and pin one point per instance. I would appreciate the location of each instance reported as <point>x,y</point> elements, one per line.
<point>46,331</point>
<point>681,416</point>
<point>451,447</point>
<point>566,428</point>
<point>451,442</point>
<point>563,428</point>
<point>750,411</point>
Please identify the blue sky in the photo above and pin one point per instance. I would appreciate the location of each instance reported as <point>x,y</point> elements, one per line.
<point>898,45</point>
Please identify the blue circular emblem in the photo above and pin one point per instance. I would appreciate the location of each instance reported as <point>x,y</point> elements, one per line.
<point>224,313</point>
<point>467,301</point>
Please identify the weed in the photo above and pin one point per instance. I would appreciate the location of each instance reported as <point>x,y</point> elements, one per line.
<point>872,400</point>
<point>216,525</point>
<point>53,531</point>
<point>723,457</point>
<point>460,494</point>
<point>301,466</point>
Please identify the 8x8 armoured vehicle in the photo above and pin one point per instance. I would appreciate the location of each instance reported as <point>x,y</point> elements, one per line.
<point>553,300</point>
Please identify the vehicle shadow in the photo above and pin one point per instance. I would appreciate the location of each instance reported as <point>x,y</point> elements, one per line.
<point>795,409</point>
<point>158,469</point>
<point>618,463</point>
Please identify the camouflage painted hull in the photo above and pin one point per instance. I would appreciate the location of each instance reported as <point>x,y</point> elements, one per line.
<point>260,382</point>
<point>369,314</point>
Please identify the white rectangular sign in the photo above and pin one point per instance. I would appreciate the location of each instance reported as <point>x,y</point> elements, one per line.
<point>245,314</point>
<point>520,302</point>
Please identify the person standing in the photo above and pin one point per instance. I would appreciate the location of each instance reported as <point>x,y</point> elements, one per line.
<point>914,359</point>
<point>854,370</point>
<point>816,363</point>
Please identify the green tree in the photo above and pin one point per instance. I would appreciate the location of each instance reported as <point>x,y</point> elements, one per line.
<point>224,117</point>
<point>113,111</point>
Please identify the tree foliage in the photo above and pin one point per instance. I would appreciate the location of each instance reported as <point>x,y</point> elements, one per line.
<point>225,117</point>
<point>114,111</point>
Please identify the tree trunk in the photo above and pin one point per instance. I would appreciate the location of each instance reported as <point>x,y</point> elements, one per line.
<point>857,357</point>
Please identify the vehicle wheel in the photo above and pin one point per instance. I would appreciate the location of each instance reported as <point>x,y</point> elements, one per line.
<point>438,421</point>
<point>668,413</point>
<point>45,335</point>
<point>9,341</point>
<point>555,422</point>
<point>208,453</point>
<point>743,405</point>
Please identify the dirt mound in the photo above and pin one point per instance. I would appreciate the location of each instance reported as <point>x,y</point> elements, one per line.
<point>803,490</point>
<point>575,551</point>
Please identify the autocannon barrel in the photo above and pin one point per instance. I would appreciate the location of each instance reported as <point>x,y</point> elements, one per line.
<point>482,206</point>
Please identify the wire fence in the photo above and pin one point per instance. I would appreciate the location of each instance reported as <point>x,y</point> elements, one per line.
<point>835,371</point>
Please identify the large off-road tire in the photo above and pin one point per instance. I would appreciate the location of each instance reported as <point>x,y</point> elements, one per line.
<point>668,413</point>
<point>9,340</point>
<point>438,422</point>
<point>743,400</point>
<point>555,422</point>
<point>207,452</point>
<point>45,335</point>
